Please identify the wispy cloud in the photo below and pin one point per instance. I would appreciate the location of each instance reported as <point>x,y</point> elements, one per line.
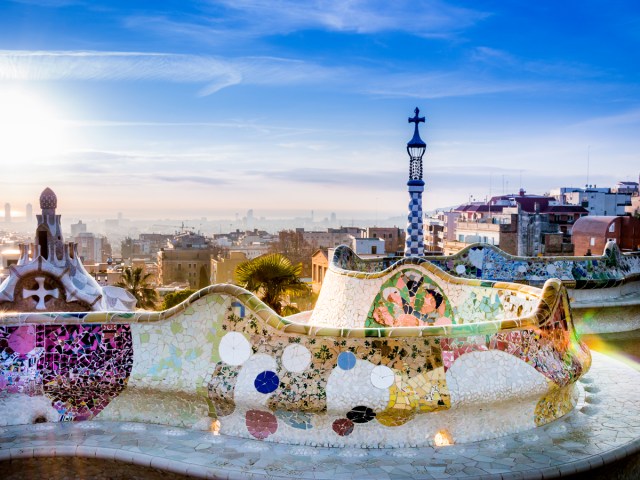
<point>444,84</point>
<point>329,176</point>
<point>255,18</point>
<point>420,17</point>
<point>630,117</point>
<point>215,73</point>
<point>505,61</point>
<point>93,65</point>
<point>192,179</point>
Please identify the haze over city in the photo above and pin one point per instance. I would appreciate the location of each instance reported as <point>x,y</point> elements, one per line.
<point>190,109</point>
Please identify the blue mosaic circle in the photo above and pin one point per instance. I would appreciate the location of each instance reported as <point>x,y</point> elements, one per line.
<point>266,382</point>
<point>346,360</point>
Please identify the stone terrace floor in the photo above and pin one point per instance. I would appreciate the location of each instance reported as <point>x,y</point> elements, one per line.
<point>603,429</point>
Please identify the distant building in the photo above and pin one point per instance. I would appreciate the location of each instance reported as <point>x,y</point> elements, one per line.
<point>146,246</point>
<point>634,208</point>
<point>333,237</point>
<point>7,212</point>
<point>78,228</point>
<point>29,213</point>
<point>393,237</point>
<point>187,258</point>
<point>597,201</point>
<point>631,188</point>
<point>520,224</point>
<point>433,235</point>
<point>319,267</point>
<point>223,269</point>
<point>368,246</point>
<point>591,234</point>
<point>92,248</point>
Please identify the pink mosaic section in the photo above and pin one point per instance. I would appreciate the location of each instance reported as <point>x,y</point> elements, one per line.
<point>80,368</point>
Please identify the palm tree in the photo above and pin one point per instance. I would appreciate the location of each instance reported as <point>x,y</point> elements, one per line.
<point>273,278</point>
<point>136,282</point>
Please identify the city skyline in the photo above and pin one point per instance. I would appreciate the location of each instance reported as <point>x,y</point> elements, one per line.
<point>190,109</point>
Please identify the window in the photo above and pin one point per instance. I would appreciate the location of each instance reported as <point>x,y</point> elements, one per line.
<point>592,242</point>
<point>612,227</point>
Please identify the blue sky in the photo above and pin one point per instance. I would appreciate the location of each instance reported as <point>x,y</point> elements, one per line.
<point>205,108</point>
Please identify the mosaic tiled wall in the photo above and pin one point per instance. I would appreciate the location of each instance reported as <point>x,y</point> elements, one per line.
<point>604,290</point>
<point>224,360</point>
<point>416,295</point>
<point>488,262</point>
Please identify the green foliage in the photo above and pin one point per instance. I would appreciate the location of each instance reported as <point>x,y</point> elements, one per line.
<point>136,282</point>
<point>175,298</point>
<point>273,278</point>
<point>305,302</point>
<point>289,310</point>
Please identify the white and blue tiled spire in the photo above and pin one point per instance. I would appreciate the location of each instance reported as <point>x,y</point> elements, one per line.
<point>414,246</point>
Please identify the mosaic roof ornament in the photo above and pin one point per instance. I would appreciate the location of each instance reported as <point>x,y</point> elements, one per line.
<point>48,200</point>
<point>50,277</point>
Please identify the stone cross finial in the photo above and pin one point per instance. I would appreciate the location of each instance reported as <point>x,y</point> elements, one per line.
<point>41,293</point>
<point>416,119</point>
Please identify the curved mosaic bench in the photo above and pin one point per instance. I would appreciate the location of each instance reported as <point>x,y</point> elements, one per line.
<point>604,290</point>
<point>225,361</point>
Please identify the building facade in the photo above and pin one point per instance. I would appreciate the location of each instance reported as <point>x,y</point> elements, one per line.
<point>591,234</point>
<point>187,258</point>
<point>393,237</point>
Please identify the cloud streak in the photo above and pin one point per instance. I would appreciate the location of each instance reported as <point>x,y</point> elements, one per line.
<point>229,21</point>
<point>418,17</point>
<point>216,73</point>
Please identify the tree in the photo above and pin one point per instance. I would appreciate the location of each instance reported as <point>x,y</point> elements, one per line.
<point>292,245</point>
<point>126,247</point>
<point>174,298</point>
<point>273,278</point>
<point>136,282</point>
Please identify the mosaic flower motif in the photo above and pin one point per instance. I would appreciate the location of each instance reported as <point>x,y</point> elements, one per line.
<point>409,298</point>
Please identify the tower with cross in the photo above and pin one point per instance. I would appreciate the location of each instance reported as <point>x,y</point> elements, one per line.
<point>414,246</point>
<point>50,275</point>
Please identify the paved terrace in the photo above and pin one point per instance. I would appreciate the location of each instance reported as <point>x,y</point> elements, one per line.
<point>602,436</point>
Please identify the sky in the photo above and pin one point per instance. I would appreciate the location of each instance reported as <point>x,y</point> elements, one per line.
<point>211,107</point>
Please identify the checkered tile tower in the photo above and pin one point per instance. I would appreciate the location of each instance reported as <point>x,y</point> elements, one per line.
<point>414,246</point>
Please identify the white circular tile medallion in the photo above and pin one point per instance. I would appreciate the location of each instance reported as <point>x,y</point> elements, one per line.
<point>382,377</point>
<point>234,348</point>
<point>296,358</point>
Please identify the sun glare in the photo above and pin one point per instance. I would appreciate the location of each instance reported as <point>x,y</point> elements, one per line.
<point>29,127</point>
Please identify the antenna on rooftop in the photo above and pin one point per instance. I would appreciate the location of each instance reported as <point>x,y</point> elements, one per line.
<point>520,179</point>
<point>588,161</point>
<point>490,188</point>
